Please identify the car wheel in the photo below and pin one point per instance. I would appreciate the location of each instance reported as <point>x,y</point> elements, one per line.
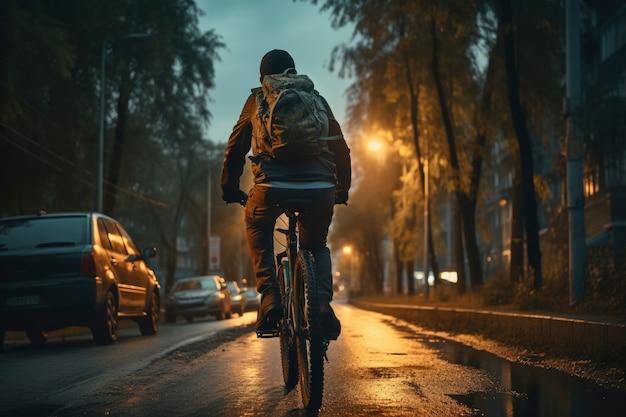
<point>189,318</point>
<point>37,337</point>
<point>242,310</point>
<point>220,315</point>
<point>106,326</point>
<point>170,317</point>
<point>149,325</point>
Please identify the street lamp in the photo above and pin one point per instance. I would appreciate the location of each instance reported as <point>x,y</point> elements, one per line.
<point>375,145</point>
<point>100,149</point>
<point>348,251</point>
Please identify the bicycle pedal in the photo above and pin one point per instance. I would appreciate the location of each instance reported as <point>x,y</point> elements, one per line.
<point>262,334</point>
<point>325,344</point>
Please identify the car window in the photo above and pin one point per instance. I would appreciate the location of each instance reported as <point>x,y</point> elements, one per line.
<point>39,232</point>
<point>195,284</point>
<point>232,287</point>
<point>128,241</point>
<point>114,236</point>
<point>104,235</point>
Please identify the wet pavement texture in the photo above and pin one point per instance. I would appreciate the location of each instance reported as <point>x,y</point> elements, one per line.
<point>36,381</point>
<point>379,367</point>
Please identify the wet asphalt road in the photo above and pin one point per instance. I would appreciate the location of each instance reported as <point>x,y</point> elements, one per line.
<point>38,381</point>
<point>380,366</point>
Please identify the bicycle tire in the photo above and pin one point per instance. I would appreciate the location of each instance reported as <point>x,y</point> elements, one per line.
<point>288,354</point>
<point>309,346</point>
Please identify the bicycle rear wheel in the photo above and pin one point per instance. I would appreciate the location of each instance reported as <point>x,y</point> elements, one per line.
<point>309,339</point>
<point>288,356</point>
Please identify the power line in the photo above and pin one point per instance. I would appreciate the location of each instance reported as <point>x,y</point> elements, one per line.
<point>109,184</point>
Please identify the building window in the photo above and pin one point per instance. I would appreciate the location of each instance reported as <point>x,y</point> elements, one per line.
<point>613,38</point>
<point>591,182</point>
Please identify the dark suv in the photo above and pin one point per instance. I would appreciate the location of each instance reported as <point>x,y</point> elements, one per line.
<point>75,269</point>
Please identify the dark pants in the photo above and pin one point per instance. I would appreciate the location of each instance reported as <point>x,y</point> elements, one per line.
<point>261,215</point>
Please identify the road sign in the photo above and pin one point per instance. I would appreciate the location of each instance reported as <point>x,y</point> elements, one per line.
<point>215,244</point>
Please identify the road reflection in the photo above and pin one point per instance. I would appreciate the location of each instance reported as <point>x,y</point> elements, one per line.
<point>525,391</point>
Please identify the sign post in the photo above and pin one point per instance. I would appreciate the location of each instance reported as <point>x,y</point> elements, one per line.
<point>214,253</point>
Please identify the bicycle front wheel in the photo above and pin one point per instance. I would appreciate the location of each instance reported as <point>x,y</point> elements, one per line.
<point>309,338</point>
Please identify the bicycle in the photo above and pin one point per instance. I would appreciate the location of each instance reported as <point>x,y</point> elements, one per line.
<point>303,345</point>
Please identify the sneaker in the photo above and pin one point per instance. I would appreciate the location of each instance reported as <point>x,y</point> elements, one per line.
<point>330,323</point>
<point>270,312</point>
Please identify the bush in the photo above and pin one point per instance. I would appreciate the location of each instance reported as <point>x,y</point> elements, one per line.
<point>498,290</point>
<point>606,279</point>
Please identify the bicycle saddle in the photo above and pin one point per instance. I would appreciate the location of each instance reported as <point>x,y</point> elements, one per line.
<point>294,204</point>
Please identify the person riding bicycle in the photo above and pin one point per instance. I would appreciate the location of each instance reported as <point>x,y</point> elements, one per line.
<point>321,177</point>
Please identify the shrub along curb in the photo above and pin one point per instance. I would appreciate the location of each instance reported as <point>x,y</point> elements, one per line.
<point>558,334</point>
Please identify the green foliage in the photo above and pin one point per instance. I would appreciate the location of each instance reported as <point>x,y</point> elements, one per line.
<point>157,107</point>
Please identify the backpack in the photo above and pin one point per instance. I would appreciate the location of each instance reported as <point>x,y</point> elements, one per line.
<point>291,116</point>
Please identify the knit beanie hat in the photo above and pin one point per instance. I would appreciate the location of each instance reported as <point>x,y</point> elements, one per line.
<point>276,61</point>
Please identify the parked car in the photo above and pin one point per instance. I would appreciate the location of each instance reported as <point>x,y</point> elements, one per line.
<point>198,296</point>
<point>237,297</point>
<point>253,298</point>
<point>74,269</point>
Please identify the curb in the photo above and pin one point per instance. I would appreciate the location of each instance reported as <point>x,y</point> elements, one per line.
<point>565,335</point>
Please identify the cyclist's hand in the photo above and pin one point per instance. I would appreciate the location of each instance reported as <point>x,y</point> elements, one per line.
<point>235,196</point>
<point>341,197</point>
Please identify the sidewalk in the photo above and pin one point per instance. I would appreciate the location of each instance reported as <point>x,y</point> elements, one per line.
<point>564,333</point>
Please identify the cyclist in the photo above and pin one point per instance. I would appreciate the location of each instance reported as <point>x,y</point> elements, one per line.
<point>323,178</point>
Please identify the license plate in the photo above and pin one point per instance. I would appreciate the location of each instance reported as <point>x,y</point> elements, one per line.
<point>23,300</point>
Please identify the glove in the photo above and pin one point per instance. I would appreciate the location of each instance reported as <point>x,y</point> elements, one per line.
<point>230,195</point>
<point>341,197</point>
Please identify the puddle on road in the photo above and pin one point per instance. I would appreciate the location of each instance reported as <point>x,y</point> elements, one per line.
<point>527,391</point>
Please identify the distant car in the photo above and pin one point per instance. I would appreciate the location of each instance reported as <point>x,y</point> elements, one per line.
<point>198,296</point>
<point>253,298</point>
<point>237,297</point>
<point>74,269</point>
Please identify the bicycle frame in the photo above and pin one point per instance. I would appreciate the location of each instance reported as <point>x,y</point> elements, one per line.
<point>287,260</point>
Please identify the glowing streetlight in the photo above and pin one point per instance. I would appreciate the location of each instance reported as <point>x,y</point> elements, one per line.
<point>347,250</point>
<point>375,146</point>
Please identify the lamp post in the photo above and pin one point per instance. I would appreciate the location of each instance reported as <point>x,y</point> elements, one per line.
<point>348,251</point>
<point>574,150</point>
<point>100,147</point>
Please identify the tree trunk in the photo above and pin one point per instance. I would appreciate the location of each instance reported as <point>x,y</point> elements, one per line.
<point>414,102</point>
<point>459,258</point>
<point>467,211</point>
<point>410,279</point>
<point>531,220</point>
<point>110,196</point>
<point>517,228</point>
<point>399,270</point>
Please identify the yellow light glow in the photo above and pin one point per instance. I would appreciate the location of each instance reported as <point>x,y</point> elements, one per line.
<point>347,250</point>
<point>375,145</point>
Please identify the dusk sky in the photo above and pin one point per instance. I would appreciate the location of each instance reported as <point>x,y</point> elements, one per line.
<point>250,28</point>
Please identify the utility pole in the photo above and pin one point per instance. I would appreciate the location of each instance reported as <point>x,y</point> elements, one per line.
<point>426,165</point>
<point>209,204</point>
<point>574,149</point>
<point>100,147</point>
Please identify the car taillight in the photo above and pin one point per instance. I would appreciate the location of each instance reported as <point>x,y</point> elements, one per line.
<point>88,265</point>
